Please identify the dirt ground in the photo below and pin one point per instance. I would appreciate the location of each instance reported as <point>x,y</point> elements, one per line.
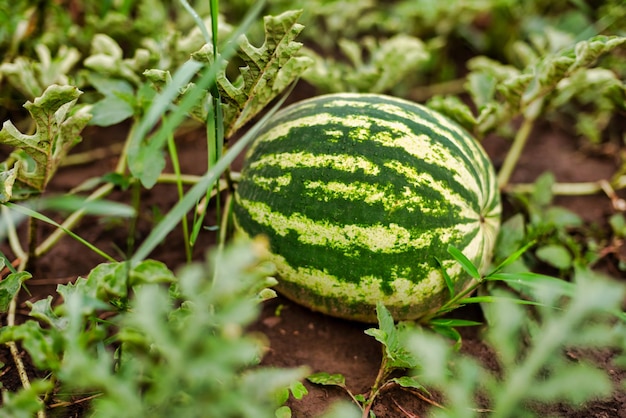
<point>301,337</point>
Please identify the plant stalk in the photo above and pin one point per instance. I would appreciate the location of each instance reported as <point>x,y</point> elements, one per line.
<point>514,154</point>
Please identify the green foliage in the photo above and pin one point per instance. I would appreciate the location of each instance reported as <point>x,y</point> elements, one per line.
<point>529,346</point>
<point>154,365</point>
<point>58,127</point>
<point>153,343</point>
<point>389,62</point>
<point>548,80</point>
<point>529,352</point>
<point>269,69</point>
<point>32,76</point>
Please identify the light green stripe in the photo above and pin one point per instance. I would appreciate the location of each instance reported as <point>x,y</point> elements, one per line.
<point>370,193</point>
<point>347,163</point>
<point>420,146</point>
<point>426,149</point>
<point>378,238</point>
<point>427,181</point>
<point>272,184</point>
<point>368,289</point>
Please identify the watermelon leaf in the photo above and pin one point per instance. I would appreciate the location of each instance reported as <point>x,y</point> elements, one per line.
<point>57,131</point>
<point>31,77</point>
<point>388,63</point>
<point>269,69</point>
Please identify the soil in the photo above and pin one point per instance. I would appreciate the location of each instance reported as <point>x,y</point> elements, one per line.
<point>298,336</point>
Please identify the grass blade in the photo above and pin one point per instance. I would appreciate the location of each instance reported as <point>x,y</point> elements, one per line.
<point>183,206</point>
<point>44,218</point>
<point>465,262</point>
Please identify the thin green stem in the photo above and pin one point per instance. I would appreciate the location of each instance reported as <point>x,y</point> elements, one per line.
<point>190,179</point>
<point>14,241</point>
<point>171,144</point>
<point>515,152</point>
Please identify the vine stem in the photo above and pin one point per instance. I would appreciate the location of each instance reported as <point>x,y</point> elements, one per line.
<point>514,154</point>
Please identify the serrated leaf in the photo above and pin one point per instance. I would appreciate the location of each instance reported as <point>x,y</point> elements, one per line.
<point>455,109</point>
<point>31,77</point>
<point>389,336</point>
<point>57,132</point>
<point>269,69</point>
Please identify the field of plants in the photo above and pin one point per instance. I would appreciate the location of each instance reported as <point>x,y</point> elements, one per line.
<point>127,289</point>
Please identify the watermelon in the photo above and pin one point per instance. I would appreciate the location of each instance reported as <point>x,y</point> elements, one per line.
<point>360,196</point>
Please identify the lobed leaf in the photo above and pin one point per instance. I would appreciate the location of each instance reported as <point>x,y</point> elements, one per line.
<point>269,69</point>
<point>57,131</point>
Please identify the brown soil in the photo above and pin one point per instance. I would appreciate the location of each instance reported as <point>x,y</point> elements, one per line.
<point>298,336</point>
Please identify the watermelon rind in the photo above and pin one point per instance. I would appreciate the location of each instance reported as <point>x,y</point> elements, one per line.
<point>360,196</point>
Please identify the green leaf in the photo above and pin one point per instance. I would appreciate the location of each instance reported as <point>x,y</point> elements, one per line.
<point>455,109</point>
<point>539,286</point>
<point>32,77</point>
<point>283,412</point>
<point>451,322</point>
<point>374,65</point>
<point>389,336</point>
<point>542,192</point>
<point>42,310</point>
<point>72,203</point>
<point>450,333</point>
<point>512,258</point>
<point>107,58</point>
<point>327,379</point>
<point>555,255</point>
<point>57,132</point>
<point>7,180</point>
<point>482,87</point>
<point>269,69</point>
<point>409,382</point>
<point>9,287</point>
<point>25,402</point>
<point>110,111</point>
<point>446,278</point>
<point>298,390</point>
<point>151,271</point>
<point>465,262</point>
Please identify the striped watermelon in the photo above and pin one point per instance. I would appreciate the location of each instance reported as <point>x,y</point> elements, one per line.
<point>359,195</point>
